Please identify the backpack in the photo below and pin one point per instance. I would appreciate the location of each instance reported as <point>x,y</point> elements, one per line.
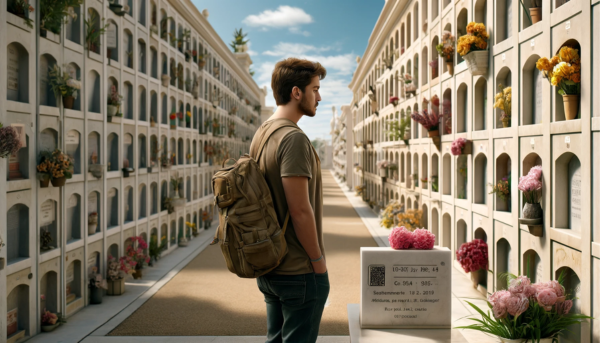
<point>251,239</point>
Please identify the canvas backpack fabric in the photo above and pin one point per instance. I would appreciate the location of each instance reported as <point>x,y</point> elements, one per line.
<point>249,234</point>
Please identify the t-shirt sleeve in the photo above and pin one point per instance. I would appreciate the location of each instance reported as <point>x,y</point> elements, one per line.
<point>295,155</point>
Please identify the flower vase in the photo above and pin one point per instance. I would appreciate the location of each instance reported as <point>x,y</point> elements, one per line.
<point>112,110</point>
<point>477,277</point>
<point>44,180</point>
<point>533,212</point>
<point>433,133</point>
<point>505,123</point>
<point>59,182</point>
<point>138,273</point>
<point>571,105</point>
<point>49,328</point>
<point>116,287</point>
<point>450,66</point>
<point>477,62</point>
<point>68,101</point>
<point>536,14</point>
<point>92,224</point>
<point>165,80</point>
<point>96,295</point>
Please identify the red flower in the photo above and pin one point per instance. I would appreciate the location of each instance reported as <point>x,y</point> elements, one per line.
<point>173,116</point>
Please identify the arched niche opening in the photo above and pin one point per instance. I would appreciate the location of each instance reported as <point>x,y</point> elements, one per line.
<point>113,251</point>
<point>73,281</point>
<point>94,154</point>
<point>143,212</point>
<point>73,26</point>
<point>480,234</point>
<point>128,151</point>
<point>188,189</point>
<point>435,9</point>
<point>532,266</point>
<point>194,152</point>
<point>164,191</point>
<point>113,51</point>
<point>424,172</point>
<point>153,108</point>
<point>503,172</point>
<point>461,234</point>
<point>481,12</point>
<point>93,210</point>
<point>17,305</point>
<point>74,150</point>
<point>447,231</point>
<point>402,39</point>
<point>447,182</point>
<point>142,12</point>
<point>435,58</point>
<point>480,110</point>
<point>173,234</point>
<point>48,139</point>
<point>142,56</point>
<point>131,8</point>
<point>127,103</point>
<point>154,152</point>
<point>558,3</point>
<point>142,106</point>
<point>567,193</point>
<point>531,160</point>
<point>480,179</point>
<point>18,163</point>
<point>504,78</point>
<point>94,92</point>
<point>48,223</point>
<point>435,173</point>
<point>415,174</point>
<point>409,177</point>
<point>559,112</point>
<point>46,95</point>
<point>180,159</point>
<point>153,198</point>
<point>425,218</point>
<point>502,263</point>
<point>143,151</point>
<point>164,109</point>
<point>112,213</point>
<point>154,239</point>
<point>533,101</point>
<point>462,106</point>
<point>164,235</point>
<point>17,233</point>
<point>572,285</point>
<point>17,77</point>
<point>446,121</point>
<point>73,220</point>
<point>128,205</point>
<point>153,63</point>
<point>503,20</point>
<point>75,73</point>
<point>462,175</point>
<point>49,290</point>
<point>461,29</point>
<point>128,49</point>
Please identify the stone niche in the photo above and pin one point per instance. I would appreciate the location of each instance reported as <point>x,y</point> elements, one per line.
<point>18,305</point>
<point>74,281</point>
<point>567,182</point>
<point>48,222</point>
<point>17,79</point>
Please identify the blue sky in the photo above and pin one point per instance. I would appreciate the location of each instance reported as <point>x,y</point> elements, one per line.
<point>332,32</point>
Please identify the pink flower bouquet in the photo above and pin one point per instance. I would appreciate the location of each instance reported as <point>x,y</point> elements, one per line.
<point>429,119</point>
<point>528,311</point>
<point>401,239</point>
<point>473,255</point>
<point>458,145</point>
<point>531,185</point>
<point>394,100</point>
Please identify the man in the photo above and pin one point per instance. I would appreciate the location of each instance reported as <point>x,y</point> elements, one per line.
<point>295,291</point>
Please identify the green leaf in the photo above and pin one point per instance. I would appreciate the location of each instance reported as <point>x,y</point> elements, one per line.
<point>561,92</point>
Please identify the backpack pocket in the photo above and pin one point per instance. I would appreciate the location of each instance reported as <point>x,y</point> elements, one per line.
<point>261,255</point>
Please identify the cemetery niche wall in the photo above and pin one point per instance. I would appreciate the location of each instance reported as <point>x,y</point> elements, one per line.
<point>116,133</point>
<point>401,61</point>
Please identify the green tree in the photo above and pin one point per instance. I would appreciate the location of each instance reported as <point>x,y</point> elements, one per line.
<point>239,39</point>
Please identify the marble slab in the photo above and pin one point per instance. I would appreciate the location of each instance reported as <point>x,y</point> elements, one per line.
<point>406,288</point>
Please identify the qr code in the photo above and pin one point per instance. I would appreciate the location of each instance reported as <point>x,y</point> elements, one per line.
<point>376,275</point>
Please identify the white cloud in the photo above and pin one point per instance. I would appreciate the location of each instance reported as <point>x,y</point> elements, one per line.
<point>250,51</point>
<point>285,49</point>
<point>342,64</point>
<point>283,17</point>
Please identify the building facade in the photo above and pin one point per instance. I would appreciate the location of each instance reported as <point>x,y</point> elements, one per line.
<point>166,61</point>
<point>454,191</point>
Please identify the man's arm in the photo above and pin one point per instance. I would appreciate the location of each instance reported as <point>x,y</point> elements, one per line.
<point>303,217</point>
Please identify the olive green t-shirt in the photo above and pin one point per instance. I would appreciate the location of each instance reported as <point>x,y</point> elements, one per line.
<point>289,153</point>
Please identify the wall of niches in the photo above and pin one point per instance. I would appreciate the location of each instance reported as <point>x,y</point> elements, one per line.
<point>122,165</point>
<point>459,207</point>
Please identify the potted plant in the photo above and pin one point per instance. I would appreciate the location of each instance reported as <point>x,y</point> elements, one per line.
<point>96,285</point>
<point>118,9</point>
<point>446,50</point>
<point>96,169</point>
<point>53,13</point>
<point>135,251</point>
<point>531,186</point>
<point>473,258</point>
<point>409,86</point>
<point>51,321</point>
<point>173,121</point>
<point>114,102</point>
<point>126,168</point>
<point>45,240</point>
<point>535,10</point>
<point>57,165</point>
<point>430,121</point>
<point>216,126</point>
<point>165,78</point>
<point>92,35</point>
<point>564,71</point>
<point>177,200</point>
<point>394,100</point>
<point>63,86</point>
<point>461,146</point>
<point>201,61</point>
<point>527,312</point>
<point>21,8</point>
<point>10,141</point>
<point>434,68</point>
<point>117,270</point>
<point>473,48</point>
<point>188,118</point>
<point>154,249</point>
<point>503,101</point>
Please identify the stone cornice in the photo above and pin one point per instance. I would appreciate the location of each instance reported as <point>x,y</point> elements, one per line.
<point>194,17</point>
<point>391,11</point>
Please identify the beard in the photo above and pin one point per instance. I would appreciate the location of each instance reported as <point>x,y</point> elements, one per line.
<point>307,108</point>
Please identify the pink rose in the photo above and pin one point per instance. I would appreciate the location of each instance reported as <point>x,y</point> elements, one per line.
<point>498,297</point>
<point>535,172</point>
<point>546,298</point>
<point>567,306</point>
<point>401,238</point>
<point>516,304</point>
<point>499,310</point>
<point>518,284</point>
<point>423,239</point>
<point>557,287</point>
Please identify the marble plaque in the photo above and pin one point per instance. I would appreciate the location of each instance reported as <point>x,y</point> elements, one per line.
<point>92,202</point>
<point>111,36</point>
<point>70,274</point>
<point>47,216</point>
<point>13,68</point>
<point>574,194</point>
<point>72,138</point>
<point>405,288</point>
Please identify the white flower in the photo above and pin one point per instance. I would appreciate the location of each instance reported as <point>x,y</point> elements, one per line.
<point>74,84</point>
<point>559,66</point>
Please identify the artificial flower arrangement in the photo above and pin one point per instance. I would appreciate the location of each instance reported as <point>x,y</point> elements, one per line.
<point>383,164</point>
<point>564,72</point>
<point>420,239</point>
<point>430,121</point>
<point>96,279</point>
<point>136,252</point>
<point>21,8</point>
<point>473,48</point>
<point>503,101</point>
<point>173,118</point>
<point>390,212</point>
<point>114,102</point>
<point>394,100</point>
<point>118,269</point>
<point>461,146</point>
<point>409,86</point>
<point>63,85</point>
<point>531,186</point>
<point>56,167</point>
<point>9,141</point>
<point>411,219</point>
<point>473,256</point>
<point>526,311</point>
<point>50,321</point>
<point>502,188</point>
<point>446,50</point>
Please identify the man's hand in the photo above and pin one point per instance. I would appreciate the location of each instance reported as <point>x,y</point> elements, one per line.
<point>320,267</point>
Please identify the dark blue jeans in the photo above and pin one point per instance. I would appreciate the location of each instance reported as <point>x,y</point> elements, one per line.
<point>295,305</point>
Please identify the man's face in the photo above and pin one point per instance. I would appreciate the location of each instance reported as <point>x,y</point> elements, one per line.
<point>310,98</point>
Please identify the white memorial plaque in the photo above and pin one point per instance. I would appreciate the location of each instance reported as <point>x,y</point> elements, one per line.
<point>111,36</point>
<point>72,138</point>
<point>92,202</point>
<point>47,213</point>
<point>405,288</point>
<point>13,68</point>
<point>574,194</point>
<point>20,128</point>
<point>70,273</point>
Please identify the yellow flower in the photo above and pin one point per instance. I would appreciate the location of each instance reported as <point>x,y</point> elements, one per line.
<point>507,91</point>
<point>555,80</point>
<point>554,61</point>
<point>543,64</point>
<point>568,54</point>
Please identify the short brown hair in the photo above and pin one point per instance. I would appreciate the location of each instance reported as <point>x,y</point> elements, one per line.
<point>293,72</point>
